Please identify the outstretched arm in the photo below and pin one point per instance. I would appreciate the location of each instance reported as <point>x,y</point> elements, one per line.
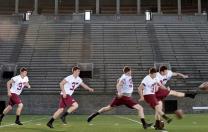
<point>180,75</point>
<point>87,87</point>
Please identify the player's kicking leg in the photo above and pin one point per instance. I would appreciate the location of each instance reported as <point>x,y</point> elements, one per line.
<point>102,110</point>
<point>70,110</point>
<point>181,94</point>
<point>55,116</point>
<point>6,110</point>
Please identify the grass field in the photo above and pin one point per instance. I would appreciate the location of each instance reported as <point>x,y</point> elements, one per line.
<point>103,123</point>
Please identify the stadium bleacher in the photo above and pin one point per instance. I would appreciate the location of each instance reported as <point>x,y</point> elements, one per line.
<point>50,49</point>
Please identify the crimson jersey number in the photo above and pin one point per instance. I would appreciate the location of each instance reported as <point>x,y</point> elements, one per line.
<point>73,86</point>
<point>19,86</point>
<point>154,86</point>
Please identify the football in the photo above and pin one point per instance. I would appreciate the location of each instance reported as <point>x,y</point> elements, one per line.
<point>179,114</point>
<point>204,86</point>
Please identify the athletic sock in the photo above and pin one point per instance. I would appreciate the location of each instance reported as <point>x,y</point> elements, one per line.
<point>96,113</point>
<point>65,114</point>
<point>92,116</point>
<point>51,120</point>
<point>168,120</point>
<point>143,121</point>
<point>165,117</point>
<point>190,95</point>
<point>17,117</point>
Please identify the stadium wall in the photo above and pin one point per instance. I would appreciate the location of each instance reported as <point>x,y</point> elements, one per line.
<point>47,104</point>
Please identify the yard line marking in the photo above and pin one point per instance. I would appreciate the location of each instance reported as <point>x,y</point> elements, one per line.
<point>122,117</point>
<point>7,125</point>
<point>22,122</point>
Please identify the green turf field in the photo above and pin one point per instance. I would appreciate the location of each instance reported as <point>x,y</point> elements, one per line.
<point>104,123</point>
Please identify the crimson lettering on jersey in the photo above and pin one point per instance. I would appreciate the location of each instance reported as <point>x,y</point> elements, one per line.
<point>19,86</point>
<point>71,84</point>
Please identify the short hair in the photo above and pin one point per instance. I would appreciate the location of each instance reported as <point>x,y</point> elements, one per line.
<point>23,69</point>
<point>75,68</point>
<point>152,70</point>
<point>163,68</point>
<point>126,69</point>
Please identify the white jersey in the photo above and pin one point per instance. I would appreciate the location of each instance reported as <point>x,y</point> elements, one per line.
<point>72,84</point>
<point>164,79</point>
<point>127,84</point>
<point>160,78</point>
<point>150,85</point>
<point>19,84</point>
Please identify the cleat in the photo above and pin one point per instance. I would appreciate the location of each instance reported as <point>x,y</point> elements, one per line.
<point>50,125</point>
<point>18,123</point>
<point>92,116</point>
<point>193,95</point>
<point>147,125</point>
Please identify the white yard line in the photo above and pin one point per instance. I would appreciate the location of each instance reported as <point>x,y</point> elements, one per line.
<point>122,117</point>
<point>132,120</point>
<point>22,122</point>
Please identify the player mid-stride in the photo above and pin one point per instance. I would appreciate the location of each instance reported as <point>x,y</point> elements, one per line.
<point>14,89</point>
<point>124,92</point>
<point>68,85</point>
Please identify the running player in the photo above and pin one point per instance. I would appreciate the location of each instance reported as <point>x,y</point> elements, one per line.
<point>68,85</point>
<point>14,89</point>
<point>124,92</point>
